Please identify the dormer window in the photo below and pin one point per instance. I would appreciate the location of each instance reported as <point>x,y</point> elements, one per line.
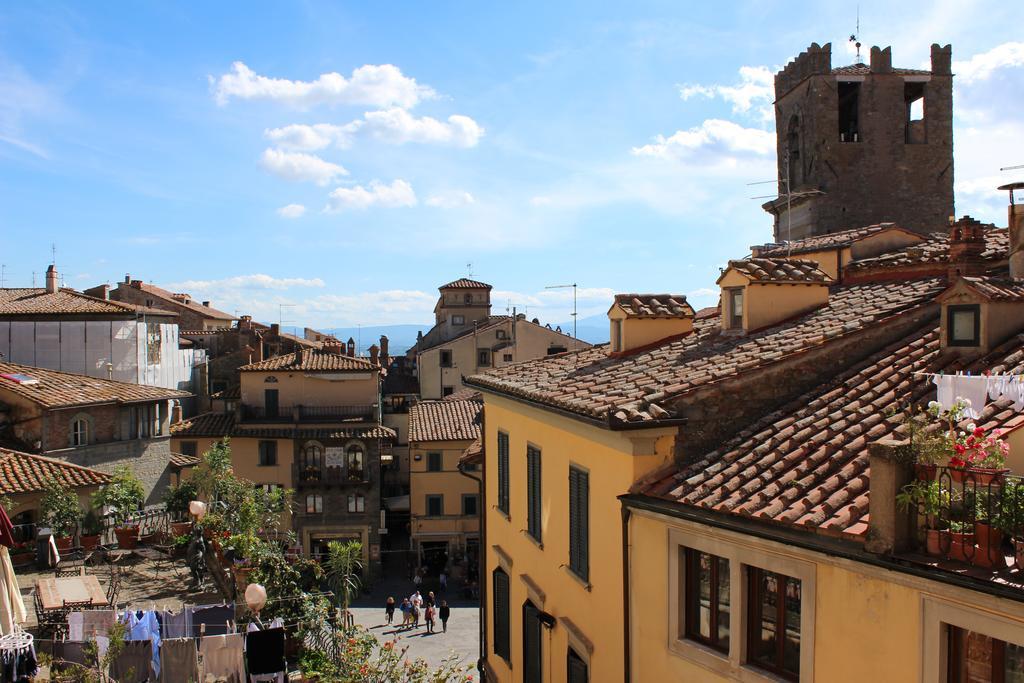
<point>616,335</point>
<point>964,325</point>
<point>735,308</point>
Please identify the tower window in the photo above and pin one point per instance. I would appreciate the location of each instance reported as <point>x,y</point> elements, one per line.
<point>913,97</point>
<point>849,107</point>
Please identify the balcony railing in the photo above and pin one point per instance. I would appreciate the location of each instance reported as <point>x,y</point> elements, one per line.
<point>310,414</point>
<point>321,477</point>
<point>968,515</point>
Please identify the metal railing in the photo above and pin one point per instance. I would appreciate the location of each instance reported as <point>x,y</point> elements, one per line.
<point>302,413</point>
<point>968,515</point>
<point>313,476</point>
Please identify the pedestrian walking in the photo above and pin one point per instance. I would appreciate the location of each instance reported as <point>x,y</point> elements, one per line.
<point>389,609</point>
<point>415,616</point>
<point>444,613</point>
<point>430,599</point>
<point>444,582</point>
<point>406,612</point>
<point>429,618</point>
<point>416,599</point>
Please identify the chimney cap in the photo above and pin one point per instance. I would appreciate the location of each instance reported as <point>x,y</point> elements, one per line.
<point>1012,186</point>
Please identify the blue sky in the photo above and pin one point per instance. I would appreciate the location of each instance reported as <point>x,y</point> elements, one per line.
<point>346,159</point>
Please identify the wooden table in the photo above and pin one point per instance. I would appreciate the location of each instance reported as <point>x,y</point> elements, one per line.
<point>54,592</point>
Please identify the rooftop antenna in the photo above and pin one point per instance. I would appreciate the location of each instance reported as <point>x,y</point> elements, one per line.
<point>1011,168</point>
<point>469,269</point>
<point>53,253</point>
<point>855,37</point>
<point>3,275</point>
<point>280,314</point>
<point>575,340</point>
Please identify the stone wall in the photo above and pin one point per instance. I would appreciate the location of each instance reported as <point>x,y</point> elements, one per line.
<point>149,459</point>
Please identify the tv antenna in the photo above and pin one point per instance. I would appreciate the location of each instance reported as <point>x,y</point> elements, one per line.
<point>3,275</point>
<point>855,37</point>
<point>575,340</point>
<point>1011,168</point>
<point>469,269</point>
<point>280,314</point>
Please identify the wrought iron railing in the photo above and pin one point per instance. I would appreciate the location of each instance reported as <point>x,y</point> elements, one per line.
<point>968,515</point>
<point>313,476</point>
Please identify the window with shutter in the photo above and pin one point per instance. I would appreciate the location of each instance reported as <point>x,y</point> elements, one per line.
<point>503,472</point>
<point>501,615</point>
<point>533,662</point>
<point>577,668</point>
<point>579,522</point>
<point>533,492</point>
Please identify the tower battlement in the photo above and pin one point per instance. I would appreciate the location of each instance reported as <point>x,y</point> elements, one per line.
<point>817,59</point>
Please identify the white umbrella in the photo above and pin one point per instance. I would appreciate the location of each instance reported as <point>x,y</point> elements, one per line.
<point>12,607</point>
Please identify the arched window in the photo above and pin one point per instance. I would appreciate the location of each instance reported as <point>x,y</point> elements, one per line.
<point>80,431</point>
<point>312,456</point>
<point>355,461</point>
<point>270,380</point>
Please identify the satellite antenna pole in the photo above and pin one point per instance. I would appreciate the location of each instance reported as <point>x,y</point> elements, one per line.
<point>3,275</point>
<point>575,339</point>
<point>855,38</point>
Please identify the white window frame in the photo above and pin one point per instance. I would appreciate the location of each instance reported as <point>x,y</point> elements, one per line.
<point>318,502</point>
<point>937,614</point>
<point>735,665</point>
<point>356,502</point>
<point>80,436</point>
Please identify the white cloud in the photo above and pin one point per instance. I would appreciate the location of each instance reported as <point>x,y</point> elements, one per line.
<point>398,194</point>
<point>450,200</point>
<point>292,211</point>
<point>381,85</point>
<point>713,137</point>
<point>24,100</point>
<point>298,166</point>
<point>311,138</point>
<point>254,281</point>
<point>756,88</point>
<point>981,66</point>
<point>397,126</point>
<point>704,293</point>
<point>394,126</point>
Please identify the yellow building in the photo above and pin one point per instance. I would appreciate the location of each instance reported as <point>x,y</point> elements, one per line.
<point>743,448</point>
<point>467,339</point>
<point>308,421</point>
<point>444,497</point>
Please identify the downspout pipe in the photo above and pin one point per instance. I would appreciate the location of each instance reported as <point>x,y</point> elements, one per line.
<point>482,561</point>
<point>626,512</point>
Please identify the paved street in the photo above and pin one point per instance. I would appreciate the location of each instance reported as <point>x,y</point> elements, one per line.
<point>463,633</point>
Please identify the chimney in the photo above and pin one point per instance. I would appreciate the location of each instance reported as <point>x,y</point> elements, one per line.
<point>176,413</point>
<point>51,279</point>
<point>331,344</point>
<point>966,243</point>
<point>137,284</point>
<point>259,347</point>
<point>275,329</point>
<point>385,358</point>
<point>373,354</point>
<point>105,292</point>
<point>351,347</point>
<point>1015,221</point>
<point>206,303</point>
<point>127,278</point>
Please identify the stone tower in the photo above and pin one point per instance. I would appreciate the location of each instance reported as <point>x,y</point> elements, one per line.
<point>863,144</point>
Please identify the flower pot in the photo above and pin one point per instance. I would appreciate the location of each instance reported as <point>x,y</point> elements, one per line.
<point>990,545</point>
<point>1018,552</point>
<point>64,542</point>
<point>925,472</point>
<point>127,537</point>
<point>89,542</point>
<point>181,528</point>
<point>961,546</point>
<point>22,559</point>
<point>933,542</point>
<point>980,476</point>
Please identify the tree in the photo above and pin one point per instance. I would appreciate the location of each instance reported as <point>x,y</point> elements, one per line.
<point>59,507</point>
<point>344,567</point>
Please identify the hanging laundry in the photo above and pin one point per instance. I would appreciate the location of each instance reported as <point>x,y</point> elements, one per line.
<point>215,617</point>
<point>134,663</point>
<point>179,660</point>
<point>18,666</point>
<point>264,652</point>
<point>972,388</point>
<point>90,623</point>
<point>147,627</point>
<point>178,624</point>
<point>221,658</point>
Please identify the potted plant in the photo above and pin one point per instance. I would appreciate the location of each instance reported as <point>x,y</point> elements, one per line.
<point>988,533</point>
<point>92,530</point>
<point>176,500</point>
<point>123,494</point>
<point>181,544</point>
<point>930,499</point>
<point>961,540</point>
<point>927,443</point>
<point>23,554</point>
<point>60,512</point>
<point>977,455</point>
<point>1011,517</point>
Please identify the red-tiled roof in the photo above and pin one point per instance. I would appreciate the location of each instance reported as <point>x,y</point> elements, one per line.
<point>935,249</point>
<point>465,283</point>
<point>37,301</point>
<point>636,387</point>
<point>445,420</point>
<point>807,464</point>
<point>997,288</point>
<point>28,473</point>
<point>833,240</point>
<point>473,455</point>
<point>654,305</point>
<point>219,425</point>
<point>179,300</point>
<point>55,389</point>
<point>230,394</point>
<point>308,360</point>
<point>781,270</point>
<point>207,424</point>
<point>180,460</point>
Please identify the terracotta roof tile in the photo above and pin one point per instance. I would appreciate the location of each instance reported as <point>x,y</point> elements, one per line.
<point>311,360</point>
<point>833,240</point>
<point>37,301</point>
<point>760,269</point>
<point>219,425</point>
<point>935,249</point>
<point>445,420</point>
<point>473,455</point>
<point>465,283</point>
<point>635,388</point>
<point>180,460</point>
<point>179,300</point>
<point>864,70</point>
<point>818,477</point>
<point>654,305</point>
<point>997,288</point>
<point>28,473</point>
<point>206,424</point>
<point>55,389</point>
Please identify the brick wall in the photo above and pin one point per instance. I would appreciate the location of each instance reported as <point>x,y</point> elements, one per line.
<point>149,459</point>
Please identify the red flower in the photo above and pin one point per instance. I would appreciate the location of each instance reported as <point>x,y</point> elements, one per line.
<point>979,432</point>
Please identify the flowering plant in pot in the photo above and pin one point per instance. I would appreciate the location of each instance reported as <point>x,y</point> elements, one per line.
<point>176,500</point>
<point>1011,517</point>
<point>977,454</point>
<point>123,494</point>
<point>60,512</point>
<point>927,442</point>
<point>92,530</point>
<point>931,500</point>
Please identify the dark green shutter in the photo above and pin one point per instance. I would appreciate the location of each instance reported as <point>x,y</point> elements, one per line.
<point>503,472</point>
<point>533,492</point>
<point>579,522</point>
<point>577,668</point>
<point>501,615</point>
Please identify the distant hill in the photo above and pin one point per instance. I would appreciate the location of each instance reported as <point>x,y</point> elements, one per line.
<point>400,337</point>
<point>592,329</point>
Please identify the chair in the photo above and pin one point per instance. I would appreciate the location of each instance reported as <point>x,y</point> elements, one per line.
<point>72,563</point>
<point>51,622</point>
<point>113,584</point>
